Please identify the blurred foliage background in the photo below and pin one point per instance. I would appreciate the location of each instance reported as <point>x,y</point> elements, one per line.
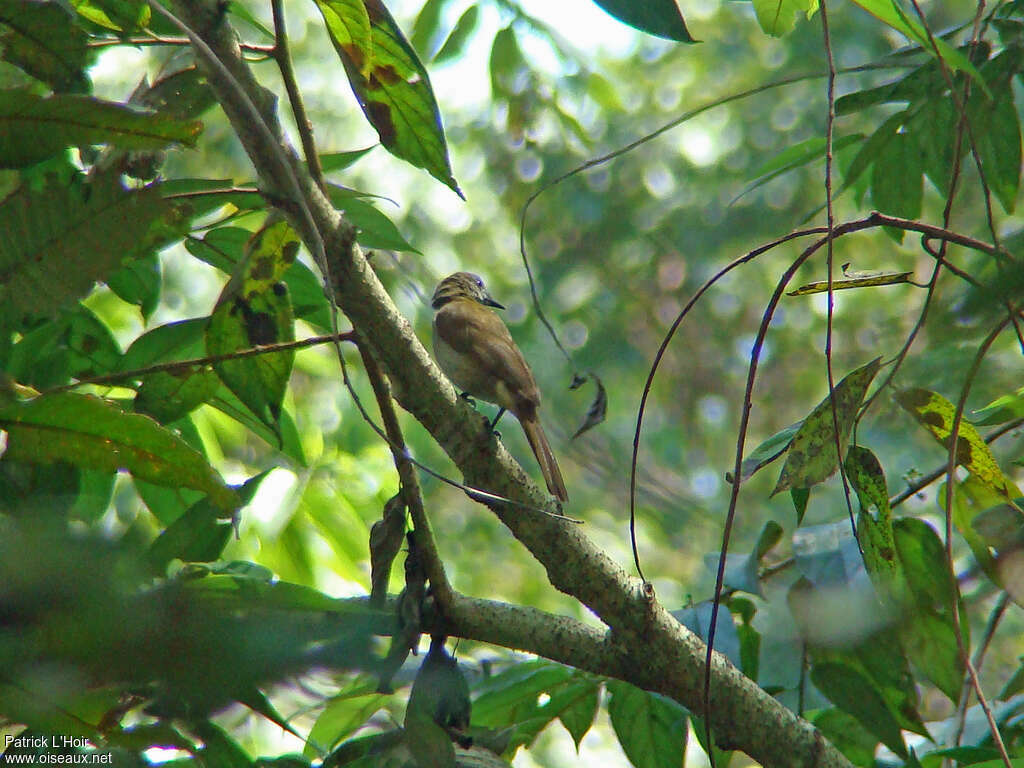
<point>529,91</point>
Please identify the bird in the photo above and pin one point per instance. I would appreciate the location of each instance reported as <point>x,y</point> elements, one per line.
<point>476,351</point>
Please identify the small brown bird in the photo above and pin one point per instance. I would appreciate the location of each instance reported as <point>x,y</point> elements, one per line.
<point>476,351</point>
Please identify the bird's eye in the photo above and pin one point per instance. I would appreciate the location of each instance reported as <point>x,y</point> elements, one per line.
<point>480,282</point>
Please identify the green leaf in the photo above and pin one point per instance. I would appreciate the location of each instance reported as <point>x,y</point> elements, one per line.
<point>44,41</point>
<point>800,497</point>
<point>849,736</point>
<point>376,230</point>
<point>896,185</point>
<point>178,340</point>
<point>660,18</point>
<point>889,13</point>
<point>812,454</point>
<point>933,129</point>
<point>853,280</point>
<point>455,45</point>
<point>427,27</point>
<point>339,161</point>
<point>60,240</point>
<point>919,85</point>
<point>873,147</point>
<point>139,282</point>
<point>390,83</point>
<point>576,705</point>
<point>1001,410</point>
<point>850,688</point>
<point>34,128</point>
<point>929,637</point>
<point>219,749</point>
<point>511,697</point>
<point>254,309</point>
<point>171,395</point>
<point>778,17</point>
<point>342,716</point>
<point>89,432</point>
<point>651,728</point>
<point>199,535</point>
<point>119,15</point>
<point>506,61</point>
<point>769,450</point>
<point>796,156</point>
<point>999,144</point>
<point>970,499</point>
<point>935,414</point>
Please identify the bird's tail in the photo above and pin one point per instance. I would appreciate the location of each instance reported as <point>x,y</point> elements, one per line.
<point>548,466</point>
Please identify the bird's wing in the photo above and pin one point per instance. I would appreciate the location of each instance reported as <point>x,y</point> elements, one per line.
<point>480,334</point>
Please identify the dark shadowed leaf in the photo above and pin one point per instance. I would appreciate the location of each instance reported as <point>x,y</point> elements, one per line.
<point>656,17</point>
<point>62,239</point>
<point>44,40</point>
<point>34,128</point>
<point>651,728</point>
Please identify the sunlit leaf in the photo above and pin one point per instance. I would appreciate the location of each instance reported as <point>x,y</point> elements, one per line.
<point>390,83</point>
<point>253,310</point>
<point>89,432</point>
<point>118,15</point>
<point>935,414</point>
<point>853,280</point>
<point>889,13</point>
<point>460,35</point>
<point>768,451</point>
<point>778,17</point>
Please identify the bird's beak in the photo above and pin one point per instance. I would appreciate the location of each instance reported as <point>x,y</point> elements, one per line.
<point>489,302</point>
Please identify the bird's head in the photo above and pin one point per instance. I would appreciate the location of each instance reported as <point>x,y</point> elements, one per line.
<point>462,285</point>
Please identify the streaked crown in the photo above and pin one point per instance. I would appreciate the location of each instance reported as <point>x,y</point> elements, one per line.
<point>462,285</point>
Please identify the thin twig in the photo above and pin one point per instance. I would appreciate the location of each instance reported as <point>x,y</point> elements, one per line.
<point>830,92</point>
<point>979,656</point>
<point>302,123</point>
<point>938,472</point>
<point>426,546</point>
<point>200,362</point>
<point>173,41</point>
<point>594,162</point>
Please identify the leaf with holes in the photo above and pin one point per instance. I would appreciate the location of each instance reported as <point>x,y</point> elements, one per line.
<point>255,309</point>
<point>390,83</point>
<point>812,454</point>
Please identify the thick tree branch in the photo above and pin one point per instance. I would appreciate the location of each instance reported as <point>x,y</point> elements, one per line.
<point>652,648</point>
